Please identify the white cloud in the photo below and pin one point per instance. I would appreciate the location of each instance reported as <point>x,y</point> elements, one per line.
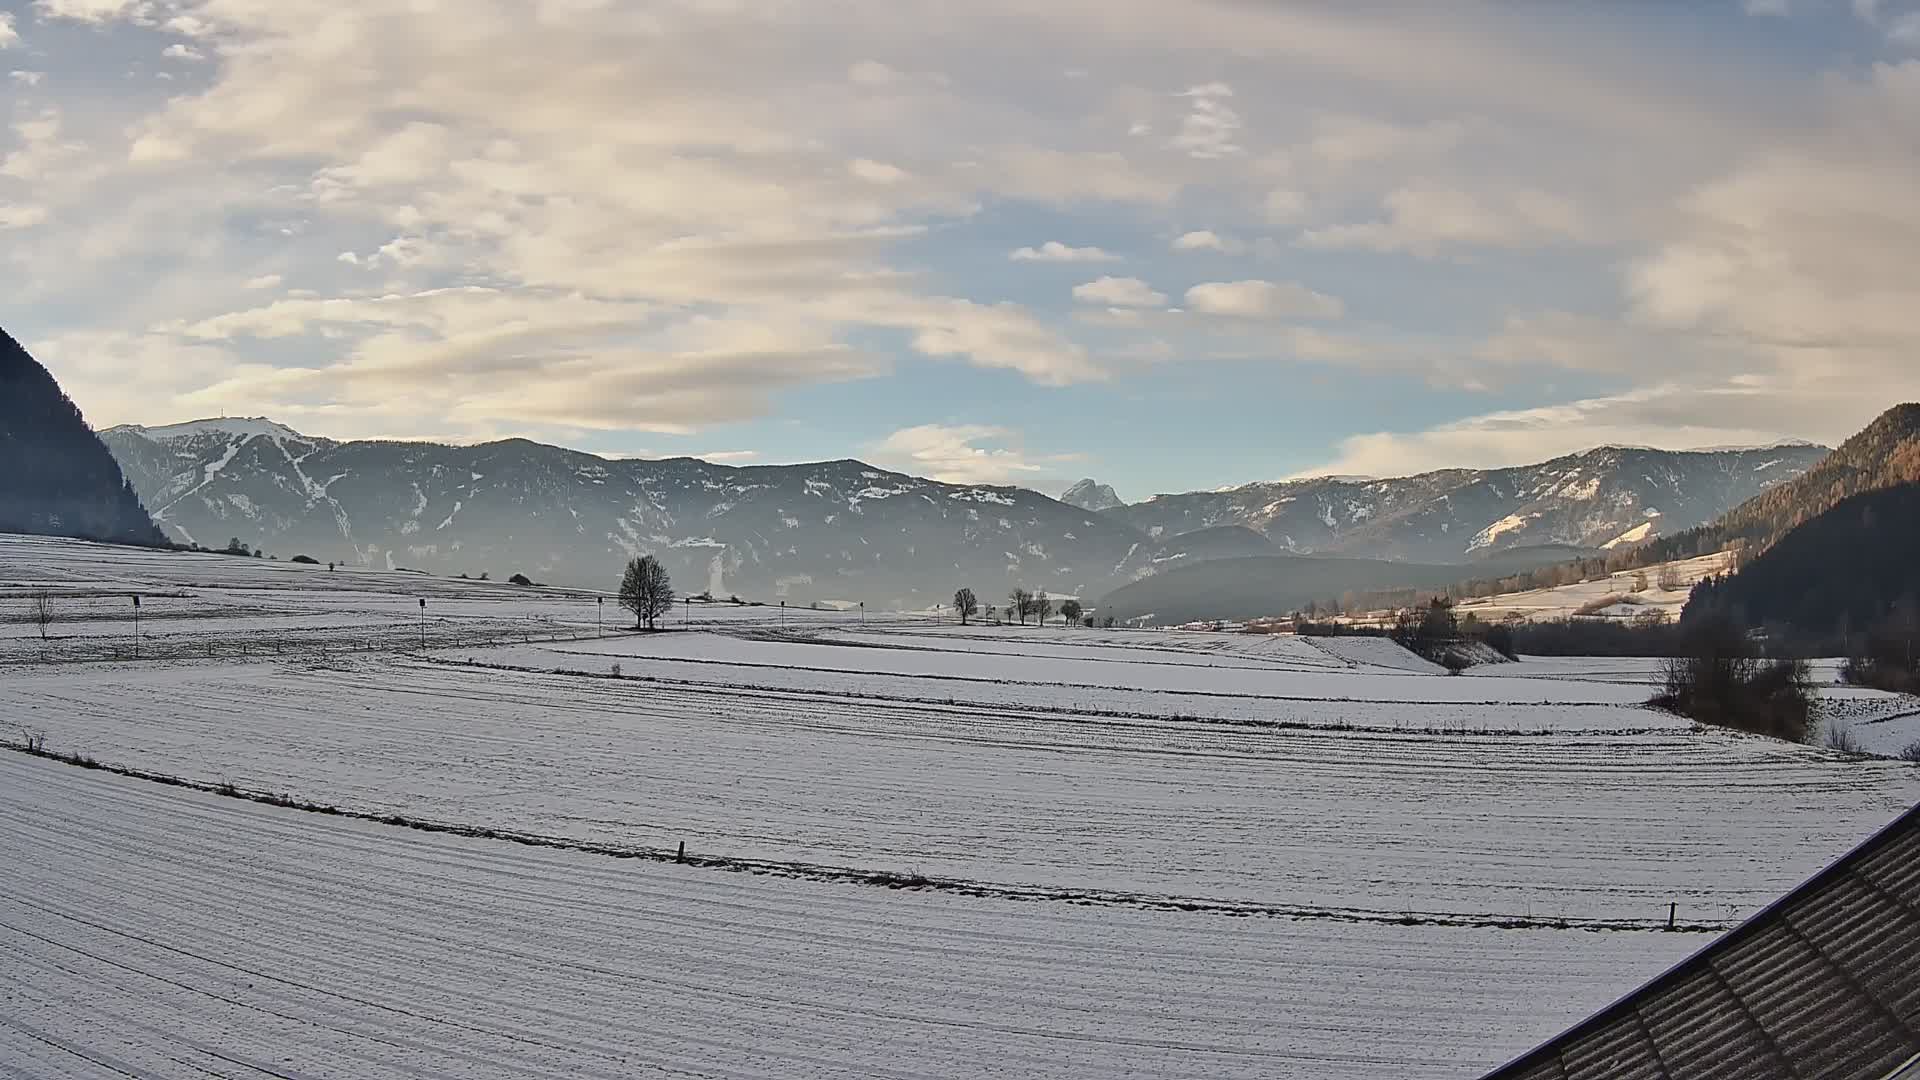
<point>1207,240</point>
<point>93,11</point>
<point>1431,221</point>
<point>264,281</point>
<point>178,51</point>
<point>1255,299</point>
<point>1055,251</point>
<point>9,37</point>
<point>876,172</point>
<point>1119,292</point>
<point>727,457</point>
<point>27,78</point>
<point>872,73</point>
<point>1210,127</point>
<point>1766,7</point>
<point>1284,206</point>
<point>17,216</point>
<point>953,453</point>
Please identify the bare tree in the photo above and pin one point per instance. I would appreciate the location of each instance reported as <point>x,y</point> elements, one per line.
<point>966,604</point>
<point>1020,603</point>
<point>646,591</point>
<point>1042,606</point>
<point>1071,611</point>
<point>43,611</point>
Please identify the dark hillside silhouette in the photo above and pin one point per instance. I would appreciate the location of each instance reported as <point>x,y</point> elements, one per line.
<point>56,476</point>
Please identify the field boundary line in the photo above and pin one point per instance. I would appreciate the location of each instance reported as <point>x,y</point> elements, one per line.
<point>886,878</point>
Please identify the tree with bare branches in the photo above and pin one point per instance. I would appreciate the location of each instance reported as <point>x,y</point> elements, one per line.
<point>43,611</point>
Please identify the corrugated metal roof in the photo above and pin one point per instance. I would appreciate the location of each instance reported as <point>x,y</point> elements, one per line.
<point>1825,983</point>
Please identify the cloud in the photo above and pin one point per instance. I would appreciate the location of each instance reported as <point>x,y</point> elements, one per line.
<point>1900,27</point>
<point>93,11</point>
<point>1431,221</point>
<point>1343,142</point>
<point>1055,251</point>
<point>27,78</point>
<point>876,172</point>
<point>264,281</point>
<point>1284,206</point>
<point>1256,299</point>
<point>1661,416</point>
<point>21,216</point>
<point>1766,7</point>
<point>872,73</point>
<point>9,37</point>
<point>1207,240</point>
<point>726,457</point>
<point>952,453</point>
<point>178,51</point>
<point>1209,128</point>
<point>1119,292</point>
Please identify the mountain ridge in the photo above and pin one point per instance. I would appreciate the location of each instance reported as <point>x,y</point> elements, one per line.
<point>841,529</point>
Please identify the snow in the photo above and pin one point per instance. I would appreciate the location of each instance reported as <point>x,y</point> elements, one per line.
<point>1631,536</point>
<point>1564,601</point>
<point>236,427</point>
<point>1431,873</point>
<point>162,932</point>
<point>1488,536</point>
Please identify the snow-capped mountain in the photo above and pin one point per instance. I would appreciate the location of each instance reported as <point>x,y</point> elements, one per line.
<point>843,530</point>
<point>836,530</point>
<point>1091,495</point>
<point>1608,496</point>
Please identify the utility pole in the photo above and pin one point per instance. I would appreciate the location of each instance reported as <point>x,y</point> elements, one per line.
<point>599,613</point>
<point>136,626</point>
<point>423,624</point>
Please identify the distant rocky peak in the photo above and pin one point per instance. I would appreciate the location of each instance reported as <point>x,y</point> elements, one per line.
<point>1092,496</point>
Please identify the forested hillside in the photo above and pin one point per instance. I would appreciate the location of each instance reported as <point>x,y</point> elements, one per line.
<point>56,477</point>
<point>1884,454</point>
<point>1843,572</point>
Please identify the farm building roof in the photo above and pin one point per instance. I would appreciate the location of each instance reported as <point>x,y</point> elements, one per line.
<point>1823,983</point>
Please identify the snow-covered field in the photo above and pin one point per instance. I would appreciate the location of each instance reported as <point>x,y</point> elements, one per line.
<point>1124,852</point>
<point>1588,597</point>
<point>154,932</point>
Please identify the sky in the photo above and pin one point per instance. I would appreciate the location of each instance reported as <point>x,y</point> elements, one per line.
<point>1172,246</point>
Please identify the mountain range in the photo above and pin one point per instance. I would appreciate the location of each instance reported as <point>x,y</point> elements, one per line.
<point>847,531</point>
<point>1606,497</point>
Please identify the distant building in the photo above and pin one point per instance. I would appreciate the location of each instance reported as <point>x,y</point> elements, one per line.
<point>1825,983</point>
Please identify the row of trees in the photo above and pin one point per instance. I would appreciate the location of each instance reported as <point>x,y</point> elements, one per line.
<point>1021,604</point>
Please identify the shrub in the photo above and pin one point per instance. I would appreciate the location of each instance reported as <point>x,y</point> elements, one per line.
<point>1911,752</point>
<point>1455,661</point>
<point>1841,738</point>
<point>1719,679</point>
<point>305,560</point>
<point>520,579</point>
